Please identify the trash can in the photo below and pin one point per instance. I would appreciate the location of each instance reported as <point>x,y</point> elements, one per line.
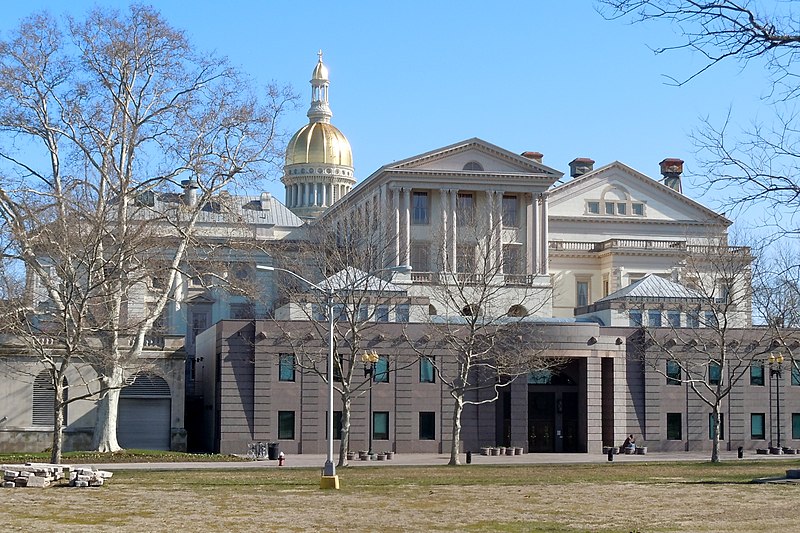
<point>469,457</point>
<point>274,450</point>
<point>740,452</point>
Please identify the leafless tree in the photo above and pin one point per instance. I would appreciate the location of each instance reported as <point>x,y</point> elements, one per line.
<point>100,120</point>
<point>481,299</point>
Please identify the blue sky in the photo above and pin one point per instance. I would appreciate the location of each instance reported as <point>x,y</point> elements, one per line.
<point>408,77</point>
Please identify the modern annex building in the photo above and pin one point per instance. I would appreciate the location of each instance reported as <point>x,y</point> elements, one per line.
<point>586,261</point>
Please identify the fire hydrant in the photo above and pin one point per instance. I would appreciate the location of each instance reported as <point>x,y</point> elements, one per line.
<point>281,459</point>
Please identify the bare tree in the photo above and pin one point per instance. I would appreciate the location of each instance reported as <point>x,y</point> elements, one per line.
<point>705,344</point>
<point>481,298</point>
<point>349,258</point>
<point>101,119</point>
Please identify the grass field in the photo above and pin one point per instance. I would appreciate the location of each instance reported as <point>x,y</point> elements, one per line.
<point>639,497</point>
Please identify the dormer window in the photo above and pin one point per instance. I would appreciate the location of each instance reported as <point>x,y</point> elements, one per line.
<point>593,208</point>
<point>615,201</point>
<point>473,165</point>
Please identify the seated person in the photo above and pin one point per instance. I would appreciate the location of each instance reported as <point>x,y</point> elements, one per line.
<point>630,442</point>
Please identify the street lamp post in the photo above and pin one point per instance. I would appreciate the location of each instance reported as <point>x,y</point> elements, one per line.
<point>776,370</point>
<point>369,359</point>
<point>329,478</point>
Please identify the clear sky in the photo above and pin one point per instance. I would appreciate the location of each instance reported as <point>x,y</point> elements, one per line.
<point>408,77</point>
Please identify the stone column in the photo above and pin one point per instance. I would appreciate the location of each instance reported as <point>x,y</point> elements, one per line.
<point>453,230</point>
<point>545,236</point>
<point>406,248</point>
<point>444,230</point>
<point>396,233</point>
<point>325,195</point>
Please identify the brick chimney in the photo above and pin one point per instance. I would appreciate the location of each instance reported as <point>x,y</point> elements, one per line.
<point>671,169</point>
<point>580,166</point>
<point>536,156</point>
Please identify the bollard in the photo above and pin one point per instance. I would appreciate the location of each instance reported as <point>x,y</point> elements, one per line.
<point>469,457</point>
<point>740,452</point>
<point>611,454</point>
<point>281,459</point>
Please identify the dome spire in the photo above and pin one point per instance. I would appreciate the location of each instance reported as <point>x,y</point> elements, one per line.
<point>319,110</point>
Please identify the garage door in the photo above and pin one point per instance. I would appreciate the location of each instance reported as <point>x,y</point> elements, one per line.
<point>144,414</point>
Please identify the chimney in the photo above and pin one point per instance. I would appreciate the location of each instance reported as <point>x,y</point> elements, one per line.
<point>580,166</point>
<point>265,201</point>
<point>672,169</point>
<point>189,192</point>
<point>536,156</point>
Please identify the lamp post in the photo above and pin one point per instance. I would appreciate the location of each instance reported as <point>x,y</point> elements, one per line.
<point>329,478</point>
<point>369,359</point>
<point>776,369</point>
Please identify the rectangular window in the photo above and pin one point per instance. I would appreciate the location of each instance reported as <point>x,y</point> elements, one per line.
<point>622,208</point>
<point>674,319</point>
<point>605,285</point>
<point>338,364</point>
<point>381,372</point>
<point>674,426</point>
<point>363,312</point>
<point>609,208</point>
<point>796,426</point>
<point>380,425</point>
<point>711,426</point>
<point>242,311</point>
<point>654,318</point>
<point>693,319</point>
<point>465,209</point>
<point>426,374</point>
<point>757,373</point>
<point>593,208</point>
<point>673,373</point>
<point>286,425</point>
<point>714,373</point>
<point>427,425</point>
<point>420,212</point>
<point>512,259</point>
<point>465,259</point>
<point>420,257</point>
<point>286,367</point>
<point>757,426</point>
<point>637,209</point>
<point>795,376</point>
<point>710,319</point>
<point>510,218</point>
<point>635,318</point>
<point>337,425</point>
<point>382,313</point>
<point>402,313</point>
<point>582,293</point>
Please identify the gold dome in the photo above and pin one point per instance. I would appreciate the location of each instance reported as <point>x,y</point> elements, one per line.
<point>319,143</point>
<point>320,71</point>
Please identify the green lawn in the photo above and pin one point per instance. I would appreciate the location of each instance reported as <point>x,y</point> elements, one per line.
<point>610,497</point>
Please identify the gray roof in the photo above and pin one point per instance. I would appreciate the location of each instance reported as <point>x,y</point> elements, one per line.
<point>353,278</point>
<point>652,286</point>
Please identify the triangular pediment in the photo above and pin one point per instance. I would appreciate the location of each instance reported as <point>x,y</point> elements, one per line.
<point>640,199</point>
<point>474,156</point>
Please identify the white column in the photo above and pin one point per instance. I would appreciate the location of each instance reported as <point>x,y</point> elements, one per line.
<point>325,195</point>
<point>406,257</point>
<point>454,229</point>
<point>396,214</point>
<point>545,250</point>
<point>531,237</point>
<point>383,201</point>
<point>495,228</point>
<point>444,232</point>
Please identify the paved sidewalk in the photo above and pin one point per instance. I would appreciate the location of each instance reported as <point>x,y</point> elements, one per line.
<point>430,459</point>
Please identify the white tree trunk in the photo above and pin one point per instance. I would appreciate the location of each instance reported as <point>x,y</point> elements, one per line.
<point>105,429</point>
<point>58,422</point>
<point>344,443</point>
<point>458,408</point>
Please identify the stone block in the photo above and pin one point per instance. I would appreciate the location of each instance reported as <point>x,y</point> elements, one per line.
<point>105,474</point>
<point>81,483</point>
<point>96,482</point>
<point>9,484</point>
<point>10,475</point>
<point>38,481</point>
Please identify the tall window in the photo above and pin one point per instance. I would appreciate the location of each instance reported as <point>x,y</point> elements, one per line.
<point>381,373</point>
<point>465,208</point>
<point>420,212</point>
<point>402,312</point>
<point>654,318</point>
<point>693,319</point>
<point>465,259</point>
<point>674,426</point>
<point>427,425</point>
<point>714,373</point>
<point>512,259</point>
<point>420,257</point>
<point>363,312</point>
<point>673,373</point>
<point>796,426</point>
<point>382,313</point>
<point>757,373</point>
<point>380,425</point>
<point>757,426</point>
<point>44,395</point>
<point>286,425</point>
<point>286,367</point>
<point>710,319</point>
<point>510,215</point>
<point>795,376</point>
<point>337,425</point>
<point>711,426</point>
<point>635,318</point>
<point>426,374</point>
<point>582,293</point>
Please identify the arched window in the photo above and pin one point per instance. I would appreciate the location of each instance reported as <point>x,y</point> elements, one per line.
<point>432,310</point>
<point>470,310</point>
<point>517,311</point>
<point>473,165</point>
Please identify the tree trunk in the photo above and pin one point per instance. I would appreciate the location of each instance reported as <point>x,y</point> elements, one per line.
<point>344,443</point>
<point>105,428</point>
<point>58,422</point>
<point>458,408</point>
<point>715,440</point>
